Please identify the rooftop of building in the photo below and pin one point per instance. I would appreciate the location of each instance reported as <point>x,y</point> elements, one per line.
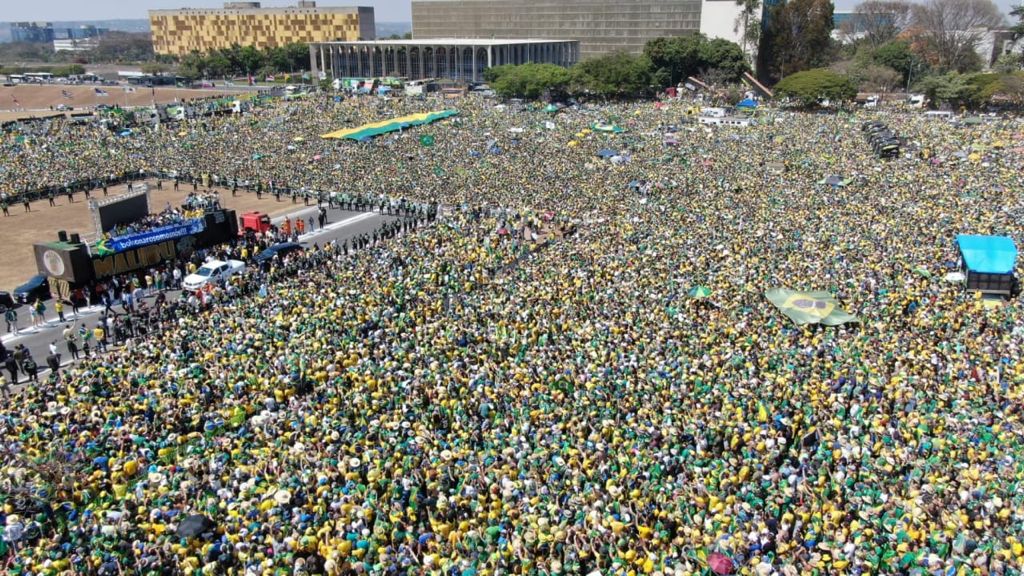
<point>248,7</point>
<point>449,41</point>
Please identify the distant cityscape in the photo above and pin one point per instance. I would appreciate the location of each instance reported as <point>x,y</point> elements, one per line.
<point>7,33</point>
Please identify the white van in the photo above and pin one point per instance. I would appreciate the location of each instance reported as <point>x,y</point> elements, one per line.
<point>939,114</point>
<point>916,100</point>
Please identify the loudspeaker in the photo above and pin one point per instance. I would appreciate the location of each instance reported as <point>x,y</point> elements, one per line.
<point>62,235</point>
<point>75,238</point>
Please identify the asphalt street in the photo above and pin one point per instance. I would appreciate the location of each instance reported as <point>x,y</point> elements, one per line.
<point>341,225</point>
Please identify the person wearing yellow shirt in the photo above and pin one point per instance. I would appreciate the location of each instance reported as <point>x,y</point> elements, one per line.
<point>100,336</point>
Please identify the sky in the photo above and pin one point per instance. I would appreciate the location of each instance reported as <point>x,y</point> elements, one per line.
<point>384,10</point>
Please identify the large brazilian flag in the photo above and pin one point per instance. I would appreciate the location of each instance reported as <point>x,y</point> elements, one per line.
<point>367,131</point>
<point>809,307</point>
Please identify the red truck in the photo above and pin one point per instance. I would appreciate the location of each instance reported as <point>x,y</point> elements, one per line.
<point>257,222</point>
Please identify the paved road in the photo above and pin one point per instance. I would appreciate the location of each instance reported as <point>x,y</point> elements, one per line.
<point>341,225</point>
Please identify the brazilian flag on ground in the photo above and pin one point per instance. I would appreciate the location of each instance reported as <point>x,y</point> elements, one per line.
<point>809,307</point>
<point>367,131</point>
<point>427,140</point>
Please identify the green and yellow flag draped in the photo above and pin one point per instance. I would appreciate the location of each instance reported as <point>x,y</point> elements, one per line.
<point>809,307</point>
<point>367,131</point>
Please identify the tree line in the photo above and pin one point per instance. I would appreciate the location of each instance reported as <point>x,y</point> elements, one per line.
<point>244,61</point>
<point>930,47</point>
<point>664,62</point>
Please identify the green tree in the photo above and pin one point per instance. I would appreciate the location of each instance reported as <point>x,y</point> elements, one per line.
<point>1007,63</point>
<point>250,59</point>
<point>951,88</point>
<point>898,56</point>
<point>297,56</point>
<point>276,59</point>
<point>493,73</point>
<point>218,65</point>
<point>812,86</point>
<point>726,56</point>
<point>674,59</point>
<point>192,66</point>
<point>986,87</point>
<point>531,80</point>
<point>798,38</point>
<point>615,75</point>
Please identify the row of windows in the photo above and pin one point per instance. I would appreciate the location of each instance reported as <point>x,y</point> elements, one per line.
<point>235,30</point>
<point>293,21</point>
<point>219,13</point>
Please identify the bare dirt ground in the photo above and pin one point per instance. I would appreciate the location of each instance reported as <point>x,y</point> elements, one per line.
<point>26,100</point>
<point>20,230</point>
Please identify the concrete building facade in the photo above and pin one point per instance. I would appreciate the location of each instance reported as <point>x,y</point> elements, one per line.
<point>179,32</point>
<point>600,26</point>
<point>454,58</point>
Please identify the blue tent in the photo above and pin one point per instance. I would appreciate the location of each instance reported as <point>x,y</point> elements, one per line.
<point>747,103</point>
<point>988,254</point>
<point>606,153</point>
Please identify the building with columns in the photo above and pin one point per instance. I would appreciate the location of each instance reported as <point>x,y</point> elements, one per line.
<point>454,58</point>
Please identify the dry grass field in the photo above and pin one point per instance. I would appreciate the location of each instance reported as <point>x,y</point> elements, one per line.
<point>28,100</point>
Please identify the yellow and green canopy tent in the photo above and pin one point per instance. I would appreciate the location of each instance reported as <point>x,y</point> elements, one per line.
<point>809,307</point>
<point>367,131</point>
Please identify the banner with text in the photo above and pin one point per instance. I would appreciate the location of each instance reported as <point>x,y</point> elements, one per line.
<point>129,241</point>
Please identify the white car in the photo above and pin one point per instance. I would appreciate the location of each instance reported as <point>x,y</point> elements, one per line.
<point>212,271</point>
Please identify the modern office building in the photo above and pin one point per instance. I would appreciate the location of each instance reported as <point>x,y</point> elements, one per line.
<point>600,26</point>
<point>178,32</point>
<point>35,32</point>
<point>454,58</point>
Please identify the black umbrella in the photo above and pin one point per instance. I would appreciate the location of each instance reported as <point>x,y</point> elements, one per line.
<point>194,525</point>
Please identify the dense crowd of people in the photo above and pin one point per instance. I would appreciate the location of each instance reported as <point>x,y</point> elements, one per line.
<point>526,386</point>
